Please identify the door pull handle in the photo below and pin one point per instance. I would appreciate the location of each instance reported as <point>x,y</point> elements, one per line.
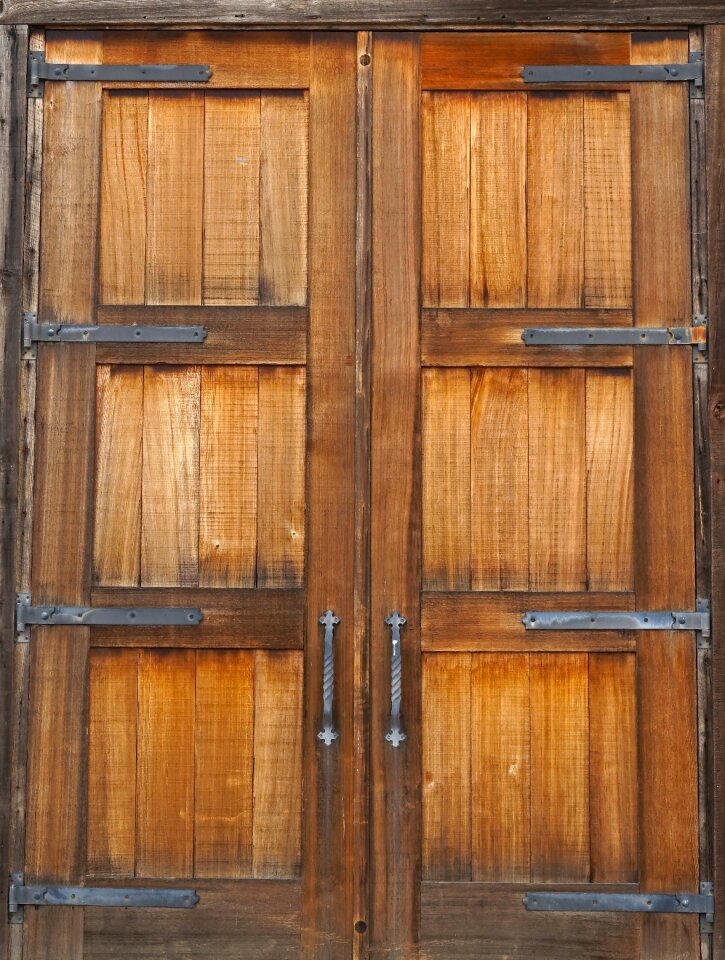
<point>328,734</point>
<point>395,735</point>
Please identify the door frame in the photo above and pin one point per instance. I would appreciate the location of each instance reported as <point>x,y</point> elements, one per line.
<point>21,23</point>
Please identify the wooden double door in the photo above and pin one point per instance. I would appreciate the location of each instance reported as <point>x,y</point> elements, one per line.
<point>365,224</point>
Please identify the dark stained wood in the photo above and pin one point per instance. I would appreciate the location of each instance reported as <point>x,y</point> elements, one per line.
<point>13,52</point>
<point>452,338</point>
<point>328,771</point>
<point>715,133</point>
<point>269,619</point>
<point>396,494</point>
<point>371,13</point>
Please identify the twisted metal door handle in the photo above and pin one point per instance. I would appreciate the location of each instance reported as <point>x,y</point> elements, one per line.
<point>395,735</point>
<point>328,734</point>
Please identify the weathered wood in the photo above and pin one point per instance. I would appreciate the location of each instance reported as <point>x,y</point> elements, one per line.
<point>715,134</point>
<point>13,52</point>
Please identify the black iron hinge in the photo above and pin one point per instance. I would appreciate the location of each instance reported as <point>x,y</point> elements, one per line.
<point>692,71</point>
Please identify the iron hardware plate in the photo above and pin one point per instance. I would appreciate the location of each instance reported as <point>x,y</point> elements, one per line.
<point>619,73</point>
<point>698,620</point>
<point>45,895</point>
<point>39,71</point>
<point>328,734</point>
<point>395,735</point>
<point>56,615</point>
<point>694,336</point>
<point>34,332</point>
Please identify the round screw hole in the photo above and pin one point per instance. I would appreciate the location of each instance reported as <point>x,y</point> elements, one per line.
<point>360,926</point>
<point>365,60</point>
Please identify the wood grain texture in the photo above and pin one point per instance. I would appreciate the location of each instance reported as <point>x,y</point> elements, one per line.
<point>610,480</point>
<point>446,693</point>
<point>119,443</point>
<point>607,201</point>
<point>281,477</point>
<point>613,768</point>
<point>228,477</point>
<point>165,792</point>
<point>559,768</point>
<point>498,255</point>
<point>112,722</point>
<point>170,507</point>
<point>283,199</point>
<point>223,763</point>
<point>715,131</point>
<point>175,196</point>
<point>446,397</point>
<point>277,764</point>
<point>557,480</point>
<point>446,133</point>
<point>231,199</point>
<point>122,248</point>
<point>555,221</point>
<point>499,479</point>
<point>500,768</point>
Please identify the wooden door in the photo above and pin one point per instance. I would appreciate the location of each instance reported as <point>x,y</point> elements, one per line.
<point>507,478</point>
<point>217,476</point>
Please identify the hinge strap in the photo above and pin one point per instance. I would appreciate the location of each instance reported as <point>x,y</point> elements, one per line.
<point>39,71</point>
<point>619,73</point>
<point>694,336</point>
<point>698,620</point>
<point>34,332</point>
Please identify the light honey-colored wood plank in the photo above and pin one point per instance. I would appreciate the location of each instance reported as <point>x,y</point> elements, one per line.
<point>498,200</point>
<point>446,119</point>
<point>122,247</point>
<point>283,199</point>
<point>500,777</point>
<point>447,767</point>
<point>119,439</point>
<point>446,479</point>
<point>607,201</point>
<point>231,199</point>
<point>281,477</point>
<point>113,690</point>
<point>613,767</point>
<point>170,500</point>
<point>557,480</point>
<point>165,767</point>
<point>559,768</point>
<point>555,221</point>
<point>228,481</point>
<point>610,479</point>
<point>277,763</point>
<point>499,479</point>
<point>175,198</point>
<point>224,763</point>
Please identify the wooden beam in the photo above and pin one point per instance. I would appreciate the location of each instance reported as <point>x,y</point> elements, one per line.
<point>13,54</point>
<point>412,14</point>
<point>715,132</point>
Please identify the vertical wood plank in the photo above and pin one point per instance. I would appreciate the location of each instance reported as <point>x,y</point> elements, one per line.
<point>122,248</point>
<point>446,132</point>
<point>557,480</point>
<point>119,435</point>
<point>175,198</point>
<point>277,763</point>
<point>607,201</point>
<point>613,767</point>
<point>559,768</point>
<point>228,477</point>
<point>395,511</point>
<point>499,479</point>
<point>447,767</point>
<point>498,200</point>
<point>224,741</point>
<point>610,479</point>
<point>334,778</point>
<point>231,198</point>
<point>281,483</point>
<point>283,198</point>
<point>170,504</point>
<point>165,771</point>
<point>112,712</point>
<point>555,222</point>
<point>500,768</point>
<point>664,559</point>
<point>446,479</point>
